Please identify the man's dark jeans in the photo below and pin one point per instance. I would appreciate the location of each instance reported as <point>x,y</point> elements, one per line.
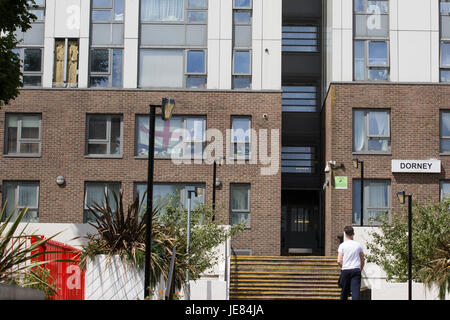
<point>350,282</point>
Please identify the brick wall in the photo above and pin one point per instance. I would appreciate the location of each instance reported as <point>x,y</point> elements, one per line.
<point>415,128</point>
<point>63,153</point>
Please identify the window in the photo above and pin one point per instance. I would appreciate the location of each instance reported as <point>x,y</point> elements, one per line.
<point>241,135</point>
<point>240,204</point>
<point>31,66</point>
<point>107,10</point>
<point>106,68</point>
<point>299,98</point>
<point>445,40</point>
<point>371,45</point>
<point>377,195</point>
<point>298,160</point>
<point>167,68</point>
<point>21,194</point>
<point>179,137</point>
<point>445,131</point>
<point>242,44</point>
<point>31,46</point>
<point>106,54</point>
<point>66,63</point>
<point>23,134</point>
<point>371,131</point>
<point>173,44</point>
<point>163,193</point>
<point>300,39</point>
<point>104,135</point>
<point>95,194</point>
<point>445,189</point>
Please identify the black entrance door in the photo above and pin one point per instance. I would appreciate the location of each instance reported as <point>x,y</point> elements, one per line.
<point>300,224</point>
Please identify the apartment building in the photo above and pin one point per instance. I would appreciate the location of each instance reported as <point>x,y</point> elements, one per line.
<point>319,82</point>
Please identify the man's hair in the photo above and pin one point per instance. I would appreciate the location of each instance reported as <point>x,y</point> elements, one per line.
<point>349,231</point>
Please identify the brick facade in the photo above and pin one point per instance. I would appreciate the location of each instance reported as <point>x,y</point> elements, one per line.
<point>63,153</point>
<point>415,132</point>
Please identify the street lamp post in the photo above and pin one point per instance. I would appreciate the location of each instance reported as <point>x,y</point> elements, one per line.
<point>216,184</point>
<point>401,197</point>
<point>198,192</point>
<point>167,106</point>
<point>355,165</point>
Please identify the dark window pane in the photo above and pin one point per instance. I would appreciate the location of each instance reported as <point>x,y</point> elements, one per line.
<point>97,128</point>
<point>241,82</point>
<point>100,60</point>
<point>445,124</point>
<point>445,54</point>
<point>445,145</point>
<point>195,61</point>
<point>240,198</point>
<point>196,82</point>
<point>115,136</point>
<point>360,67</point>
<point>32,81</point>
<point>29,148</point>
<point>99,82</point>
<point>32,60</point>
<point>39,14</point>
<point>12,139</point>
<point>97,148</point>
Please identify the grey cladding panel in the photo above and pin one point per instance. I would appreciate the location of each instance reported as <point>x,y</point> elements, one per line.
<point>162,35</point>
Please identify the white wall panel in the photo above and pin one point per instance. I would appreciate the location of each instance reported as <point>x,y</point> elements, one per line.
<point>67,19</point>
<point>414,14</point>
<point>272,19</point>
<point>131,21</point>
<point>213,80</point>
<point>271,64</point>
<point>130,63</point>
<point>83,65</point>
<point>257,64</point>
<point>225,64</point>
<point>347,55</point>
<point>414,56</point>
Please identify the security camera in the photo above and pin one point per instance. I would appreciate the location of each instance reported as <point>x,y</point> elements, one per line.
<point>265,116</point>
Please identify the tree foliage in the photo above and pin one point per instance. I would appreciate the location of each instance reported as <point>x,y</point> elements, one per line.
<point>15,15</point>
<point>430,246</point>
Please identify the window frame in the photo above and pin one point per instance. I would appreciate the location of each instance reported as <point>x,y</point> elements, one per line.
<point>234,155</point>
<point>107,140</point>
<point>441,183</point>
<point>367,135</point>
<point>368,67</point>
<point>316,33</point>
<point>112,8</point>
<point>106,185</point>
<point>313,160</point>
<point>245,212</point>
<point>16,184</point>
<point>441,136</point>
<point>109,73</point>
<point>19,135</point>
<point>184,120</point>
<point>366,209</point>
<point>21,55</point>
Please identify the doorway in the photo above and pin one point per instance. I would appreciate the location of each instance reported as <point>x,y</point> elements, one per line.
<point>301,222</point>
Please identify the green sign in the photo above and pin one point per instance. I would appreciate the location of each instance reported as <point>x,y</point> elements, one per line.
<point>340,182</point>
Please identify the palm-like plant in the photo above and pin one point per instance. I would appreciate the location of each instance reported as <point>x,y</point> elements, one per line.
<point>122,233</point>
<point>19,259</point>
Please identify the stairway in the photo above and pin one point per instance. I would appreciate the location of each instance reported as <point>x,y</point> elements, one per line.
<point>293,277</point>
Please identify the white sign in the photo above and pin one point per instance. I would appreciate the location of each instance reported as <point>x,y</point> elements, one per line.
<point>416,166</point>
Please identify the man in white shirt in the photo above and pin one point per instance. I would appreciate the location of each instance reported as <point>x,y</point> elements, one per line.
<point>351,260</point>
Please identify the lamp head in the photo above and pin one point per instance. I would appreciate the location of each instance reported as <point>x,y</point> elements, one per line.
<point>167,107</point>
<point>401,197</point>
<point>218,183</point>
